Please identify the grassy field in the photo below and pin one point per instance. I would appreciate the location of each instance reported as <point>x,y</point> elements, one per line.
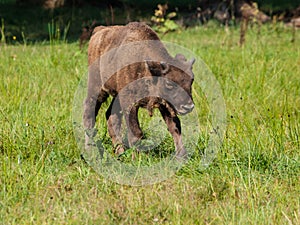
<point>255,178</point>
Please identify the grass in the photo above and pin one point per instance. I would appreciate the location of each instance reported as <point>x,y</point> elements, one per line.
<point>253,180</point>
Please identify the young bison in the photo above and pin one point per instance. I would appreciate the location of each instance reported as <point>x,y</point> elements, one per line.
<point>133,66</point>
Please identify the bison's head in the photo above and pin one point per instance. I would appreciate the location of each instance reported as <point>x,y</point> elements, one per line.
<point>173,82</point>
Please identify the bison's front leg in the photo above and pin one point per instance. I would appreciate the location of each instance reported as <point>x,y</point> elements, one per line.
<point>114,120</point>
<point>95,97</point>
<point>174,127</point>
<point>92,105</point>
<point>134,130</point>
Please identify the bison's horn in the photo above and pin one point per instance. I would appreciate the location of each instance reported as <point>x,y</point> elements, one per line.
<point>165,67</point>
<point>192,61</point>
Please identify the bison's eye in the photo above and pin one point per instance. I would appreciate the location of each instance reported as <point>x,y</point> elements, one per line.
<point>170,84</point>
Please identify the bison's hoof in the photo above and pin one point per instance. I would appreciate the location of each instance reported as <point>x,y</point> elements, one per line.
<point>134,155</point>
<point>91,132</point>
<point>181,155</point>
<point>89,144</point>
<point>119,150</point>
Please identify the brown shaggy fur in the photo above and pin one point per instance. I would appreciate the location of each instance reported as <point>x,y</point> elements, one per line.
<point>142,69</point>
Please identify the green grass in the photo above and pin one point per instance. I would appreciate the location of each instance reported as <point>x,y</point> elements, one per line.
<point>253,180</point>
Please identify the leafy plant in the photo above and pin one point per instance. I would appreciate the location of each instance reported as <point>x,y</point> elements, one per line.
<point>163,22</point>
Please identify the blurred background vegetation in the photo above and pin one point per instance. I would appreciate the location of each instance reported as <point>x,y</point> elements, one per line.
<point>44,20</point>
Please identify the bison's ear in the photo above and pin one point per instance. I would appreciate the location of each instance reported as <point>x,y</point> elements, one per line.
<point>165,67</point>
<point>157,68</point>
<point>180,57</point>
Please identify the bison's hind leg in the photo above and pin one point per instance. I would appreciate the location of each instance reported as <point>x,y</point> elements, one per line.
<point>134,130</point>
<point>114,121</point>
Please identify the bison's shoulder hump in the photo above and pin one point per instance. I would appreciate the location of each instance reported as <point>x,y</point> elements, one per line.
<point>99,28</point>
<point>135,30</point>
<point>142,30</point>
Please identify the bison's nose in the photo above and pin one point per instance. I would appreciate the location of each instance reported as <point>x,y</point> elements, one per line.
<point>188,107</point>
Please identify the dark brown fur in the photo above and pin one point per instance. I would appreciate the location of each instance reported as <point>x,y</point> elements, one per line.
<point>114,70</point>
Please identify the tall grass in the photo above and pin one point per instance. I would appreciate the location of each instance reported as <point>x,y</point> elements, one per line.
<point>55,33</point>
<point>253,180</point>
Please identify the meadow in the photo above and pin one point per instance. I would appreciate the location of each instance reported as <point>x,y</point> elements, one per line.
<point>254,179</point>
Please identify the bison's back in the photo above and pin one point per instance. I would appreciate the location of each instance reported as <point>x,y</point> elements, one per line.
<point>106,38</point>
